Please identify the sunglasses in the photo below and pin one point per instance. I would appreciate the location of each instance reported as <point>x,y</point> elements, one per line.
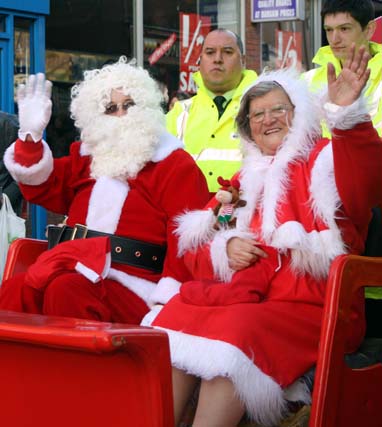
<point>113,108</point>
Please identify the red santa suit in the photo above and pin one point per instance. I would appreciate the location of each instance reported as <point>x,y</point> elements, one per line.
<point>311,201</point>
<point>68,280</point>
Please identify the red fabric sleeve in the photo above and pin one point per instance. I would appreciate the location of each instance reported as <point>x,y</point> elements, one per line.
<point>183,188</point>
<point>27,153</point>
<point>357,157</point>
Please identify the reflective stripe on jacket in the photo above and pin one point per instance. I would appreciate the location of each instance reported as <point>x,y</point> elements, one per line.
<point>213,143</point>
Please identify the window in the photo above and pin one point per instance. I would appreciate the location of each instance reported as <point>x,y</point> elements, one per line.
<point>3,27</point>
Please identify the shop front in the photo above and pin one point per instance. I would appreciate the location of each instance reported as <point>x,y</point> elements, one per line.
<point>66,37</point>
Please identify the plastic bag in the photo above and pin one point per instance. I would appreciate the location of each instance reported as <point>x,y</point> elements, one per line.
<point>11,228</point>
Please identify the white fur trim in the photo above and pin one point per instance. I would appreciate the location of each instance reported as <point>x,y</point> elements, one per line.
<point>106,203</point>
<point>167,144</point>
<point>298,392</point>
<point>310,252</point>
<point>92,275</point>
<point>30,175</point>
<point>325,197</point>
<point>194,229</point>
<point>262,396</point>
<point>165,289</point>
<point>151,315</point>
<point>141,287</point>
<point>346,117</point>
<point>218,252</point>
<point>252,176</point>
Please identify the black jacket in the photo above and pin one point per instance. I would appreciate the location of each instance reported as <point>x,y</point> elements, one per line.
<point>8,134</point>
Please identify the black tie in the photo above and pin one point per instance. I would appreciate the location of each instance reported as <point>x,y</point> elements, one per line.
<point>219,101</point>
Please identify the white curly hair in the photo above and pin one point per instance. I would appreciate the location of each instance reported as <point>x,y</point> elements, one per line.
<point>90,97</point>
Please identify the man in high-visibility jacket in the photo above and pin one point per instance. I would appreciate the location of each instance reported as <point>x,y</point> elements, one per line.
<point>345,23</point>
<point>206,122</point>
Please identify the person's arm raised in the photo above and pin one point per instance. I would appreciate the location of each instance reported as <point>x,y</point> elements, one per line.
<point>347,87</point>
<point>35,109</point>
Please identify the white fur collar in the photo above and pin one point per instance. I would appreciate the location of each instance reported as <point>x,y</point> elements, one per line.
<point>167,144</point>
<point>105,205</point>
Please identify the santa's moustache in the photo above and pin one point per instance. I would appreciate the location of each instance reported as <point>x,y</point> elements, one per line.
<point>121,146</point>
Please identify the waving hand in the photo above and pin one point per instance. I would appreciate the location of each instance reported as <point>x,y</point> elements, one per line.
<point>347,87</point>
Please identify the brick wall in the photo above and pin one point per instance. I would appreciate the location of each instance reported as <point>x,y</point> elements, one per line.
<point>252,40</point>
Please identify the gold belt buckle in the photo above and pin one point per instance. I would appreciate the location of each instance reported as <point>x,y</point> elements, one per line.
<point>80,229</point>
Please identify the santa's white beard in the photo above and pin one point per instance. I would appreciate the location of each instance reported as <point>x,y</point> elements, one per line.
<point>121,146</point>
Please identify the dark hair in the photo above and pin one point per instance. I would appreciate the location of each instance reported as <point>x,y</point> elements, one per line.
<point>256,91</point>
<point>360,10</point>
<point>239,42</point>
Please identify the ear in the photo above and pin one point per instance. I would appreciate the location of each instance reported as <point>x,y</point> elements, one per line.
<point>243,60</point>
<point>370,29</point>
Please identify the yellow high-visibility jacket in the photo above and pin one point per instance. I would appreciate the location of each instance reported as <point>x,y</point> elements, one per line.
<point>213,143</point>
<point>317,79</point>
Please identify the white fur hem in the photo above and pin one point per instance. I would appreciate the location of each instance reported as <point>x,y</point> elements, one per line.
<point>141,287</point>
<point>92,275</point>
<point>194,229</point>
<point>346,117</point>
<point>30,175</point>
<point>263,398</point>
<point>166,288</point>
<point>218,251</point>
<point>151,315</point>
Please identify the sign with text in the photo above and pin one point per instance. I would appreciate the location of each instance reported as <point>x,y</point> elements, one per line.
<point>162,49</point>
<point>289,49</point>
<point>193,30</point>
<point>277,10</point>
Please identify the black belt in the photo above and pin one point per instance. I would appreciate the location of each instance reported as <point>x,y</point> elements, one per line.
<point>123,250</point>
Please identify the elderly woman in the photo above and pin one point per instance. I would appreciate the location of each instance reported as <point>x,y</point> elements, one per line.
<point>307,198</point>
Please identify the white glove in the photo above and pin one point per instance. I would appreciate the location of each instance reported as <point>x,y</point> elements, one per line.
<point>35,106</point>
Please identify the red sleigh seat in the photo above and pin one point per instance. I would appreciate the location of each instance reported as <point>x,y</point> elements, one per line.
<point>67,372</point>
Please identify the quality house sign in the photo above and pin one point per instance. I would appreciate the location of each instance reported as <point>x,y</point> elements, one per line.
<point>277,10</point>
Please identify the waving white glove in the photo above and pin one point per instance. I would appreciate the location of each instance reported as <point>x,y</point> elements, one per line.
<point>35,106</point>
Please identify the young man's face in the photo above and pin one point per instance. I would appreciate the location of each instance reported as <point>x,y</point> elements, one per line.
<point>342,30</point>
<point>221,63</point>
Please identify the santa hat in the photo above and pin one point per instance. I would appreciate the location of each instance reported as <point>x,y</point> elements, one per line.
<point>89,257</point>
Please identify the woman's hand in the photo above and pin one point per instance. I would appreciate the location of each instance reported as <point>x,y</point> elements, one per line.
<point>347,87</point>
<point>243,252</point>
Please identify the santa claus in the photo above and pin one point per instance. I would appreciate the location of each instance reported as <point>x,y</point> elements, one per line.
<point>121,187</point>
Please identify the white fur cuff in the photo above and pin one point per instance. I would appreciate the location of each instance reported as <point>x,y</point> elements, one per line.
<point>194,229</point>
<point>166,288</point>
<point>33,175</point>
<point>219,255</point>
<point>346,117</point>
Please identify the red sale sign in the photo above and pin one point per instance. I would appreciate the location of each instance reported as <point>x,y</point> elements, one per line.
<point>377,36</point>
<point>289,49</point>
<point>193,30</point>
<point>162,49</point>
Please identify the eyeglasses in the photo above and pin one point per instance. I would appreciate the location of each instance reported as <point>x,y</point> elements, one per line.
<point>113,108</point>
<point>276,112</point>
